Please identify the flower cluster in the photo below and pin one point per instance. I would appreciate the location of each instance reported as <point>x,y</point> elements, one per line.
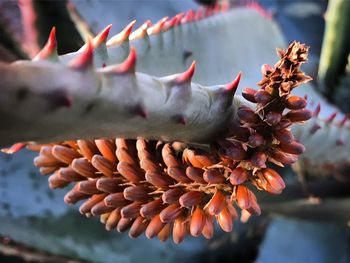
<point>161,188</point>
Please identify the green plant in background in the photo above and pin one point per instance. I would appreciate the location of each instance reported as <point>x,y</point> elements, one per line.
<point>332,75</point>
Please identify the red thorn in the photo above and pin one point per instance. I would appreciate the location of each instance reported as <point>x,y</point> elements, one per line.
<point>127,30</point>
<point>157,28</point>
<point>232,87</point>
<point>317,110</point>
<point>225,5</point>
<point>216,8</point>
<point>343,120</point>
<point>186,76</point>
<point>101,37</point>
<point>199,14</point>
<point>331,118</point>
<point>177,19</point>
<point>123,35</point>
<point>189,17</point>
<point>50,46</point>
<point>208,11</point>
<point>84,59</point>
<point>141,31</point>
<point>128,65</point>
<point>260,9</point>
<point>14,148</point>
<point>170,23</point>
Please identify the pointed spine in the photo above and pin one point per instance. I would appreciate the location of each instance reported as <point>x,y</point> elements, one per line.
<point>122,36</point>
<point>185,77</point>
<point>50,48</point>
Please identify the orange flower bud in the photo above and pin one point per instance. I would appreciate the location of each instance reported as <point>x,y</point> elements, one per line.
<point>88,187</point>
<point>235,152</point>
<point>109,185</point>
<point>231,210</point>
<point>113,219</point>
<point>179,230</point>
<point>160,180</point>
<point>284,136</point>
<point>84,167</point>
<point>213,176</point>
<point>132,210</point>
<point>195,174</point>
<point>247,115</point>
<point>124,155</point>
<point>197,222</point>
<point>68,174</point>
<point>238,176</point>
<point>216,203</point>
<point>179,174</point>
<point>295,103</point>
<point>262,96</point>
<point>172,195</point>
<point>189,156</point>
<point>124,224</point>
<point>225,220</point>
<point>299,115</point>
<point>208,229</point>
<point>243,195</point>
<point>255,140</point>
<point>93,200</point>
<point>148,164</point>
<point>259,159</point>
<point>191,198</point>
<point>115,200</point>
<point>164,233</point>
<point>138,227</point>
<point>154,227</point>
<point>103,165</point>
<point>293,148</point>
<point>130,172</point>
<point>170,213</point>
<point>273,118</point>
<point>136,193</point>
<point>282,157</point>
<point>64,154</point>
<point>272,181</point>
<point>152,208</point>
<point>56,182</point>
<point>254,207</point>
<point>169,157</point>
<point>107,149</point>
<point>74,196</point>
<point>101,208</point>
<point>248,94</point>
